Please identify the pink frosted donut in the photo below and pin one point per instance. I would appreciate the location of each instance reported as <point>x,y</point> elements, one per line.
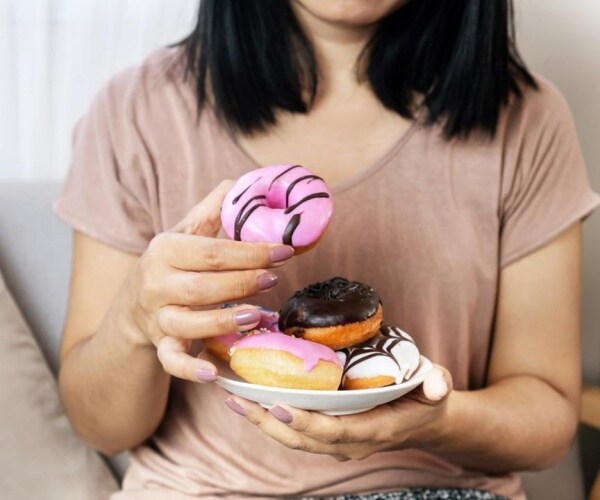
<point>220,345</point>
<point>278,204</point>
<point>279,360</point>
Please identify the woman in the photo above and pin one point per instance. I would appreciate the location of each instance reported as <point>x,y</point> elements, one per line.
<point>459,189</point>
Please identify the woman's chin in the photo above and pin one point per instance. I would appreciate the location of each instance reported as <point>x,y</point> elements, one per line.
<point>350,12</point>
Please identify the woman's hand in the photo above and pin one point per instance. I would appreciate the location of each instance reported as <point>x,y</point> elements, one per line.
<point>182,274</point>
<point>403,423</point>
<point>132,321</point>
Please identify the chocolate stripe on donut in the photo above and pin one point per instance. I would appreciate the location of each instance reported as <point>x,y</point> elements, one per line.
<point>393,342</point>
<point>387,344</point>
<point>304,200</point>
<point>243,215</point>
<point>237,198</point>
<point>283,173</point>
<point>290,228</point>
<point>360,355</point>
<point>293,184</point>
<point>395,333</point>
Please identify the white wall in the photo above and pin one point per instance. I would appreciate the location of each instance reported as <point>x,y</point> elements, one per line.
<point>54,56</point>
<point>561,40</point>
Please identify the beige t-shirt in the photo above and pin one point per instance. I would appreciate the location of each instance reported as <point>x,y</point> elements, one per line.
<point>430,225</point>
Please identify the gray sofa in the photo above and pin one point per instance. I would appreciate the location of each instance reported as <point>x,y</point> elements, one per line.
<point>35,249</point>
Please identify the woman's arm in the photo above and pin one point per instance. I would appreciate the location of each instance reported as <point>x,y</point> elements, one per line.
<point>527,416</point>
<point>524,419</point>
<point>108,405</point>
<point>131,321</point>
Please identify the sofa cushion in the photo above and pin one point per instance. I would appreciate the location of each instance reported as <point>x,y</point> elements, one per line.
<point>40,456</point>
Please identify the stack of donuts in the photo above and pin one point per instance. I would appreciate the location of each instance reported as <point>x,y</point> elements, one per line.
<point>327,336</point>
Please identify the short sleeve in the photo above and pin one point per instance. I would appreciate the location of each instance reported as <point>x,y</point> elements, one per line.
<point>106,194</point>
<point>545,187</point>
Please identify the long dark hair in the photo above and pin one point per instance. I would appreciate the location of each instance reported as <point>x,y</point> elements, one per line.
<point>459,55</point>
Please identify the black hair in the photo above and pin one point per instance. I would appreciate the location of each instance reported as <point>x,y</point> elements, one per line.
<point>458,56</point>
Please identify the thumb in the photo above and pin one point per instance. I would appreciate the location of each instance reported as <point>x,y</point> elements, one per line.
<point>205,218</point>
<point>435,388</point>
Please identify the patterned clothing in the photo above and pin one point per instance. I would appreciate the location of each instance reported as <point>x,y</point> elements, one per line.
<point>422,494</point>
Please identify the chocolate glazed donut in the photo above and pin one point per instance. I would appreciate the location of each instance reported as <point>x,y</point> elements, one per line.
<point>337,312</point>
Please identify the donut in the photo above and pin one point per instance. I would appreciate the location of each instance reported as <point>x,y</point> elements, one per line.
<point>402,347</point>
<point>273,359</point>
<point>390,358</point>
<point>219,345</point>
<point>278,204</point>
<point>337,313</point>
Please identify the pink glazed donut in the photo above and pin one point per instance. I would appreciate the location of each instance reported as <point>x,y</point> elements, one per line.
<point>278,360</point>
<point>278,204</point>
<point>219,345</point>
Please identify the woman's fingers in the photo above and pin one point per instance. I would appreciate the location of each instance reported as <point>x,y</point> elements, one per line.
<point>333,430</point>
<point>184,323</point>
<point>275,429</point>
<point>173,355</point>
<point>196,289</point>
<point>435,388</point>
<point>199,253</point>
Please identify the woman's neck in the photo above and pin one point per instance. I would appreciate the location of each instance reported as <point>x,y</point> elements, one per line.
<point>337,49</point>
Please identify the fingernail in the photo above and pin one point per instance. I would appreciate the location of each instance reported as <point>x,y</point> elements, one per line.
<point>281,253</point>
<point>280,414</point>
<point>246,317</point>
<point>235,407</point>
<point>438,389</point>
<point>266,281</point>
<point>205,375</point>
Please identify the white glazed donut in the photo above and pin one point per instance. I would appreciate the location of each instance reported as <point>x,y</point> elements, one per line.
<point>390,358</point>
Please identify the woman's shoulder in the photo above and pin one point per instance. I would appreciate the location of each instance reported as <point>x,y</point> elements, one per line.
<point>145,89</point>
<point>535,109</point>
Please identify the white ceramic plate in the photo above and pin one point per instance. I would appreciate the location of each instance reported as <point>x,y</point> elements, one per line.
<point>328,402</point>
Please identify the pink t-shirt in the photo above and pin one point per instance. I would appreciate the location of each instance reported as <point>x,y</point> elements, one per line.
<point>429,225</point>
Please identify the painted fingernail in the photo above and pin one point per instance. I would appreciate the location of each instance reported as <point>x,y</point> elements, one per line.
<point>246,317</point>
<point>235,407</point>
<point>281,253</point>
<point>205,375</point>
<point>280,414</point>
<point>266,281</point>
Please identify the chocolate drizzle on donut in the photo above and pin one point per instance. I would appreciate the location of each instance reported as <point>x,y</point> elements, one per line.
<point>237,198</point>
<point>290,188</point>
<point>359,355</point>
<point>283,173</point>
<point>384,344</point>
<point>290,228</point>
<point>304,200</point>
<point>328,303</point>
<point>294,222</point>
<point>243,215</point>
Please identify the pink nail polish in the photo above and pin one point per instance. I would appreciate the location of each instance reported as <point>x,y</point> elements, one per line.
<point>246,317</point>
<point>235,407</point>
<point>204,375</point>
<point>266,281</point>
<point>280,254</point>
<point>282,415</point>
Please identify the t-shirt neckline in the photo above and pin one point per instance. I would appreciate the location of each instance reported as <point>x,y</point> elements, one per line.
<point>351,181</point>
